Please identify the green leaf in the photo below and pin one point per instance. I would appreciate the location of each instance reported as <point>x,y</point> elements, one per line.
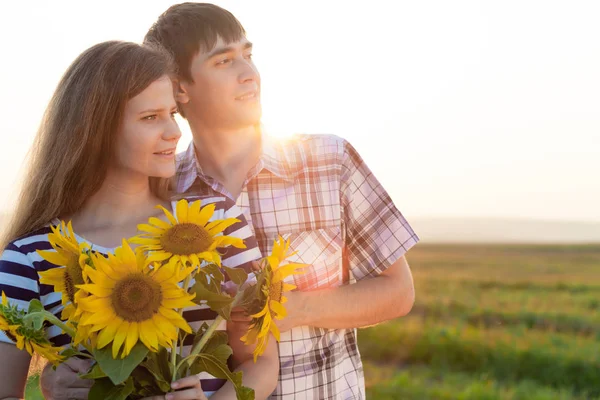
<point>211,293</point>
<point>35,305</point>
<point>95,373</point>
<point>222,352</point>
<point>70,352</point>
<point>237,275</point>
<point>146,384</point>
<point>218,338</point>
<point>214,272</point>
<point>158,365</point>
<point>218,347</point>
<point>118,370</point>
<point>37,319</point>
<point>104,389</point>
<point>217,368</point>
<point>252,299</point>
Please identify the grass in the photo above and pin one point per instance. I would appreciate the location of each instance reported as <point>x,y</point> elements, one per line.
<point>492,322</point>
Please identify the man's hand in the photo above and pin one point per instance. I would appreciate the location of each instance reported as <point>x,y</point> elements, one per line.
<point>65,383</point>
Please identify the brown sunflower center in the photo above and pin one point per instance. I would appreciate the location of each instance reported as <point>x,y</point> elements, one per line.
<point>276,291</point>
<point>136,298</point>
<point>73,276</point>
<point>186,239</point>
<point>10,335</point>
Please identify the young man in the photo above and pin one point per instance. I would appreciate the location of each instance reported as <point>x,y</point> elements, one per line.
<point>316,190</point>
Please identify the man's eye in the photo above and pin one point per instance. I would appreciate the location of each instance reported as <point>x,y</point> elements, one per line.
<point>223,62</point>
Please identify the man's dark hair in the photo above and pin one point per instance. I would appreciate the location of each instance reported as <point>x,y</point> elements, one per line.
<point>187,28</point>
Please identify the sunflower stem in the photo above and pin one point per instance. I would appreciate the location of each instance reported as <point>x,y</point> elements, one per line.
<point>186,284</point>
<point>207,335</point>
<point>211,329</point>
<point>55,321</point>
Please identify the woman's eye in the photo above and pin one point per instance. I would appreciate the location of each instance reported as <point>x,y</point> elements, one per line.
<point>149,117</point>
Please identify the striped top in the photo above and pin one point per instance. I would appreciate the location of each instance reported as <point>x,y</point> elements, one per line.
<point>20,266</point>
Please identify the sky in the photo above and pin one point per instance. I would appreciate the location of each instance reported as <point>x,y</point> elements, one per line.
<point>461,109</point>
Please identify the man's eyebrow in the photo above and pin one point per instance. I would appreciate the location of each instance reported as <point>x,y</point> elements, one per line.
<point>227,49</point>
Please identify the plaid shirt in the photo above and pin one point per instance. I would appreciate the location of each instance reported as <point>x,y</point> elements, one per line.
<point>317,191</point>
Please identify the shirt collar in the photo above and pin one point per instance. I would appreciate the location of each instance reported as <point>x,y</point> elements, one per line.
<point>272,158</point>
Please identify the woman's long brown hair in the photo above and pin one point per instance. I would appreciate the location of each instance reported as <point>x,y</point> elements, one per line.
<point>71,152</point>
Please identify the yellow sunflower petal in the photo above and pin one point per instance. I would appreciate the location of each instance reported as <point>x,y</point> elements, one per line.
<point>175,319</point>
<point>132,337</point>
<point>146,241</point>
<point>278,308</point>
<point>148,336</point>
<point>261,312</point>
<point>119,339</point>
<point>95,289</point>
<point>289,269</point>
<point>287,287</point>
<point>223,241</point>
<point>52,257</point>
<point>101,318</point>
<point>275,331</point>
<point>168,214</point>
<point>107,334</point>
<point>219,226</point>
<point>205,214</point>
<point>159,223</point>
<point>182,211</point>
<point>194,211</point>
<point>158,256</point>
<point>150,229</point>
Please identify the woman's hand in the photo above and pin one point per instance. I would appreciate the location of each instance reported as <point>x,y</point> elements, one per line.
<point>187,388</point>
<point>64,383</point>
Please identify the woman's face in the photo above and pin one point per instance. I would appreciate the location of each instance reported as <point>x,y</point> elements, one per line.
<point>148,134</point>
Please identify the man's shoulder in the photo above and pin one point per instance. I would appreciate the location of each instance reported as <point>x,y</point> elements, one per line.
<point>305,150</point>
<point>316,143</point>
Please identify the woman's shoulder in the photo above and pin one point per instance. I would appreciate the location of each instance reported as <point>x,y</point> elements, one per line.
<point>30,242</point>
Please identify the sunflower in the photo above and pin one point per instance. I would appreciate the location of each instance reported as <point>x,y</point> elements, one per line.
<point>25,337</point>
<point>70,256</point>
<point>5,320</point>
<point>129,301</point>
<point>271,287</point>
<point>187,237</point>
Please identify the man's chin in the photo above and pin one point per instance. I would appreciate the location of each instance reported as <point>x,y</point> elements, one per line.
<point>249,119</point>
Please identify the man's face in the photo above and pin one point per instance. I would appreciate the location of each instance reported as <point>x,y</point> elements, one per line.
<point>225,93</point>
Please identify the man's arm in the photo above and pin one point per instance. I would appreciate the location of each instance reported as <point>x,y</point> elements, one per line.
<point>370,301</point>
<point>260,376</point>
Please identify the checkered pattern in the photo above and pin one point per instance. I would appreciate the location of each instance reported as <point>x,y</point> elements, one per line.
<point>318,192</point>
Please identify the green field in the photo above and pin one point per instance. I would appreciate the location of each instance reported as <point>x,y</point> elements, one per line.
<point>492,322</point>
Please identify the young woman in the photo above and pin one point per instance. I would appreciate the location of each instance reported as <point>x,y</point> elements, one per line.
<point>102,159</point>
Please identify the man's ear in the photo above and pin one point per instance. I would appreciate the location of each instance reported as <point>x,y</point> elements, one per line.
<point>181,91</point>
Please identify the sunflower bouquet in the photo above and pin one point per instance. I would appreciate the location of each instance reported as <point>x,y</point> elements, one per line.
<point>124,310</point>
